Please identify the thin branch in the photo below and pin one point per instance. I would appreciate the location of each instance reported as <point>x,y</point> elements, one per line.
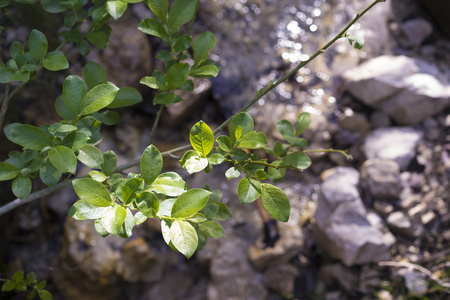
<point>8,97</point>
<point>36,195</point>
<point>417,268</point>
<point>155,124</point>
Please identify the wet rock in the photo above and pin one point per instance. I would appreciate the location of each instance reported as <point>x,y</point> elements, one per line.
<point>342,228</point>
<point>281,278</point>
<point>415,31</point>
<point>395,143</point>
<point>400,223</point>
<point>382,178</point>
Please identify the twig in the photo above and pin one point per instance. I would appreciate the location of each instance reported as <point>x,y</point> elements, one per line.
<point>155,124</point>
<point>417,268</point>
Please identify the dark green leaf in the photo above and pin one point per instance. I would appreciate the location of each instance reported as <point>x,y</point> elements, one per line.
<point>182,43</point>
<point>107,117</point>
<point>38,44</point>
<point>91,156</point>
<point>253,140</point>
<point>177,75</point>
<point>184,237</point>
<point>297,142</point>
<point>151,164</point>
<point>164,55</point>
<point>245,121</point>
<point>224,143</point>
<point>202,138</point>
<point>126,96</point>
<point>239,154</point>
<point>9,285</point>
<point>6,75</point>
<point>212,229</point>
<point>63,159</point>
<point>130,189</point>
<point>285,128</point>
<point>275,202</point>
<point>75,140</point>
<point>181,12</point>
<point>62,109</point>
<point>74,90</point>
<point>249,190</point>
<point>203,44</point>
<point>189,203</point>
<point>109,162</point>
<point>83,47</point>
<point>160,8</point>
<point>261,175</point>
<point>21,186</point>
<point>116,8</point>
<point>147,203</point>
<point>303,121</point>
<point>49,174</point>
<point>94,74</point>
<point>223,213</point>
<point>54,6</point>
<point>153,27</point>
<point>15,49</point>
<point>98,98</point>
<point>188,86</point>
<point>70,20</point>
<point>280,149</point>
<point>30,137</point>
<point>8,171</point>
<point>99,38</point>
<point>276,174</point>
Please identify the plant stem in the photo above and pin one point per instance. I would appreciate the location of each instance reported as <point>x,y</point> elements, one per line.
<point>8,97</point>
<point>36,195</point>
<point>155,124</point>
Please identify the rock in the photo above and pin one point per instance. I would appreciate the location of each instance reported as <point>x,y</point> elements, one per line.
<point>380,119</point>
<point>382,178</point>
<point>395,143</point>
<point>378,78</point>
<point>416,282</point>
<point>346,278</point>
<point>428,217</point>
<point>281,278</point>
<point>354,121</point>
<point>384,208</point>
<point>341,226</point>
<point>400,223</point>
<point>422,96</point>
<point>415,31</point>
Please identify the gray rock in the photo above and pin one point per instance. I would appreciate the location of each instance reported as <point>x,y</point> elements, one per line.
<point>378,78</point>
<point>422,96</point>
<point>354,121</point>
<point>281,278</point>
<point>416,282</point>
<point>346,277</point>
<point>382,178</point>
<point>415,31</point>
<point>396,143</point>
<point>342,228</point>
<point>400,223</point>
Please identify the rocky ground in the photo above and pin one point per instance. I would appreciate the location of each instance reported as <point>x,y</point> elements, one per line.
<point>374,227</point>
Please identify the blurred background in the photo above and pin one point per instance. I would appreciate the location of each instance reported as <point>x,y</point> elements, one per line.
<point>388,104</point>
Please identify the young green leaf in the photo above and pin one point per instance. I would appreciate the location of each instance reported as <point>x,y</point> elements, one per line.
<point>49,174</point>
<point>151,164</point>
<point>356,41</point>
<point>130,189</point>
<point>193,162</point>
<point>55,61</point>
<point>109,162</point>
<point>87,188</point>
<point>8,171</point>
<point>94,74</point>
<point>126,96</point>
<point>99,228</point>
<point>297,160</point>
<point>203,44</point>
<point>91,156</point>
<point>224,143</point>
<point>74,90</point>
<point>207,71</point>
<point>253,140</point>
<point>243,120</point>
<point>212,229</point>
<point>44,295</point>
<point>297,142</point>
<point>116,8</point>
<point>63,159</point>
<point>249,190</point>
<point>98,176</point>
<point>21,186</point>
<point>29,137</point>
<point>177,75</point>
<point>184,237</point>
<point>153,27</point>
<point>303,121</point>
<point>232,172</point>
<point>181,12</point>
<point>285,128</point>
<point>83,210</point>
<point>275,202</point>
<point>139,218</point>
<point>160,8</point>
<point>37,42</point>
<point>147,203</point>
<point>170,184</point>
<point>113,218</point>
<point>223,212</point>
<point>202,138</point>
<point>182,43</point>
<point>189,203</point>
<point>98,98</point>
<point>126,230</point>
<point>216,159</point>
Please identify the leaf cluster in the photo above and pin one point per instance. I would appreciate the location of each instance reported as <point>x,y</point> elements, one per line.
<point>23,284</point>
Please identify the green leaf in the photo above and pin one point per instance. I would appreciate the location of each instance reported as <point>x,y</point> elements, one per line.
<point>99,228</point>
<point>165,98</point>
<point>280,149</point>
<point>130,189</point>
<point>182,43</point>
<point>261,175</point>
<point>184,237</point>
<point>203,44</point>
<point>83,210</point>
<point>160,8</point>
<point>223,212</point>
<point>44,295</point>
<point>224,143</point>
<point>189,203</point>
<point>170,184</point>
<point>6,75</point>
<point>75,140</point>
<point>275,202</point>
<point>98,98</point>
<point>8,171</point>
<point>181,12</point>
<point>74,90</point>
<point>91,156</point>
<point>303,121</point>
<point>153,27</point>
<point>70,20</point>
<point>94,74</point>
<point>249,190</point>
<point>212,229</point>
<point>21,76</point>
<point>216,159</point>
<point>55,62</point>
<point>98,176</point>
<point>62,109</point>
<point>164,55</point>
<point>83,47</point>
<point>197,218</point>
<point>30,137</point>
<point>37,42</point>
<point>276,174</point>
<point>207,71</point>
<point>113,218</point>
<point>253,140</point>
<point>232,172</point>
<point>151,164</point>
<point>116,8</point>
<point>54,6</point>
<point>49,174</point>
<point>59,129</point>
<point>128,225</point>
<point>15,49</point>
<point>239,154</point>
<point>245,121</point>
<point>107,117</point>
<point>202,138</point>
<point>356,41</point>
<point>87,189</point>
<point>297,142</point>
<point>9,285</point>
<point>297,160</point>
<point>147,203</point>
<point>21,186</point>
<point>195,163</point>
<point>177,75</point>
<point>166,207</point>
<point>99,38</point>
<point>285,128</point>
<point>63,159</point>
<point>109,162</point>
<point>126,96</point>
<point>152,83</point>
<point>188,86</point>
<point>139,218</point>
<point>165,230</point>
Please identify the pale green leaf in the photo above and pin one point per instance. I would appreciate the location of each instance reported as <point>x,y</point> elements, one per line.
<point>202,138</point>
<point>189,203</point>
<point>303,121</point>
<point>184,237</point>
<point>243,120</point>
<point>249,190</point>
<point>151,164</point>
<point>87,188</point>
<point>212,229</point>
<point>275,202</point>
<point>91,156</point>
<point>181,12</point>
<point>97,98</point>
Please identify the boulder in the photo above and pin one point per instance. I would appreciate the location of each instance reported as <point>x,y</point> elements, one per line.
<point>341,226</point>
<point>415,31</point>
<point>395,143</point>
<point>382,178</point>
